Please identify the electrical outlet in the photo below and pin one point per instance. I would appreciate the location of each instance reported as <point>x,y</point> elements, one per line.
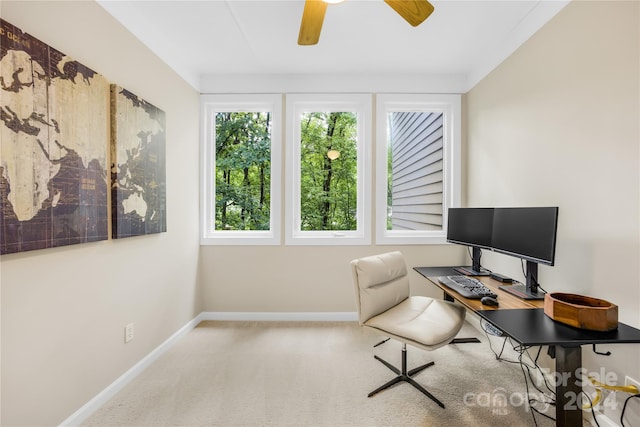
<point>128,332</point>
<point>631,381</point>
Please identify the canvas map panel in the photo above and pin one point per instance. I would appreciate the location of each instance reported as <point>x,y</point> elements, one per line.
<point>53,153</point>
<point>138,192</point>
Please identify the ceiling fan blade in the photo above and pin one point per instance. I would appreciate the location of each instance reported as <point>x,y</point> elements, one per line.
<point>312,18</point>
<point>413,11</point>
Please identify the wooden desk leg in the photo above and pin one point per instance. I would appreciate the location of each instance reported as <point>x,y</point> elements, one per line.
<point>568,390</point>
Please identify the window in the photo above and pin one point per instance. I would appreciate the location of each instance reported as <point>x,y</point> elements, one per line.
<point>328,179</point>
<point>417,167</point>
<point>328,168</point>
<point>241,169</point>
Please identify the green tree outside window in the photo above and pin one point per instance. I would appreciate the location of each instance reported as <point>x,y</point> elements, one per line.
<point>243,171</point>
<point>328,188</point>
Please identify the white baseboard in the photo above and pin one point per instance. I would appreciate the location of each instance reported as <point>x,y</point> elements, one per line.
<point>328,316</point>
<point>101,398</point>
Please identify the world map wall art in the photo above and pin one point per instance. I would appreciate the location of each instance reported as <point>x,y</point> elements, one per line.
<point>137,165</point>
<point>56,118</point>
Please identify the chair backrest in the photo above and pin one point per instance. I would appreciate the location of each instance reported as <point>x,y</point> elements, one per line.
<point>381,282</point>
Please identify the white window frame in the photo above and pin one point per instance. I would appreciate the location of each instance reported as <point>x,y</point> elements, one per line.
<point>210,105</point>
<point>296,105</point>
<point>450,106</point>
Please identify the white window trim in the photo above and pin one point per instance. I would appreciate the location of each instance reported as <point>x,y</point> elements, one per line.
<point>450,105</point>
<point>296,105</point>
<point>210,104</point>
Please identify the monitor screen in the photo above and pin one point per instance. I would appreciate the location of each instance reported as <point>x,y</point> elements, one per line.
<point>528,233</point>
<point>470,226</point>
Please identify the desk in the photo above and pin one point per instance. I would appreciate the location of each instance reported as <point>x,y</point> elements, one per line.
<point>526,323</point>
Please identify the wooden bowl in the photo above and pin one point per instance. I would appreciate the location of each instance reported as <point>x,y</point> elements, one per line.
<point>581,311</point>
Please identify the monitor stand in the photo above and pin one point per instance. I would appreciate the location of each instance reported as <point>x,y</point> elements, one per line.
<point>530,290</point>
<point>469,271</point>
<point>521,292</point>
<point>475,269</point>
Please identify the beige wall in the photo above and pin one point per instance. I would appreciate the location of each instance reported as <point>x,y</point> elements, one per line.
<point>64,310</point>
<point>558,124</point>
<point>300,278</point>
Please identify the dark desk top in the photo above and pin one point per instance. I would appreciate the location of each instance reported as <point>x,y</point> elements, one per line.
<point>533,327</point>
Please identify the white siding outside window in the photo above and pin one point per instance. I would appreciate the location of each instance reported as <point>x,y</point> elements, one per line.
<point>417,166</point>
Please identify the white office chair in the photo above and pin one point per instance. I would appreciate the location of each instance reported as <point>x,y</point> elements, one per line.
<point>385,305</point>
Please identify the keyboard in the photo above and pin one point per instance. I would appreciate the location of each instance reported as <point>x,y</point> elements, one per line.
<point>468,287</point>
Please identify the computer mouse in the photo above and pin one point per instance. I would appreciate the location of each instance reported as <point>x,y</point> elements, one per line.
<point>490,301</point>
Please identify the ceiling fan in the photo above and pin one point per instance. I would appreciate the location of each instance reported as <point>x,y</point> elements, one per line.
<point>413,11</point>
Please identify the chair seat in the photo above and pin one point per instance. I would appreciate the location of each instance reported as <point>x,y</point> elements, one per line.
<point>424,322</point>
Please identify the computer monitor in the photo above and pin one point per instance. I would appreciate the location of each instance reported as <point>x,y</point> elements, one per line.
<point>471,227</point>
<point>528,233</point>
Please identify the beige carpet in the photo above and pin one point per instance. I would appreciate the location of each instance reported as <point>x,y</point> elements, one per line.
<point>316,374</point>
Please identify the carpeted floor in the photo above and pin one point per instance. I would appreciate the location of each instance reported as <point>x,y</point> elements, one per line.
<point>317,374</point>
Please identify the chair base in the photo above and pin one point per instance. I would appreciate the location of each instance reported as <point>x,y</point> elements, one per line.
<point>404,376</point>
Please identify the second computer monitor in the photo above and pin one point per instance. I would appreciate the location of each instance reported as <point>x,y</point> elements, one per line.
<point>528,233</point>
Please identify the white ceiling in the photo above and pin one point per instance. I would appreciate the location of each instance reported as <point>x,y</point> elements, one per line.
<point>199,39</point>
